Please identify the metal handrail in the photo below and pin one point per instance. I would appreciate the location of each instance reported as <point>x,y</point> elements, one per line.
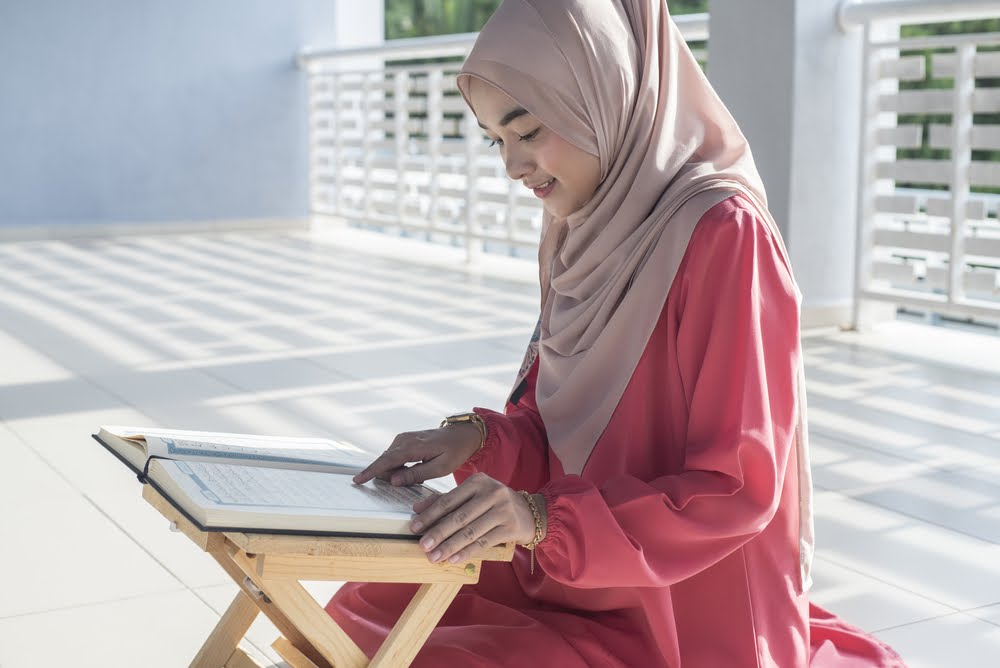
<point>693,27</point>
<point>402,49</point>
<point>852,13</point>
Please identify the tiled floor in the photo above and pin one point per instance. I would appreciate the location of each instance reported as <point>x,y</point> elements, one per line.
<point>312,334</point>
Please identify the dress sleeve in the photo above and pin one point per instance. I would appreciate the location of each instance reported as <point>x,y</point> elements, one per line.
<point>516,449</point>
<point>737,349</point>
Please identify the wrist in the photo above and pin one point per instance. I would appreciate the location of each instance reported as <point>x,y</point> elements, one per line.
<point>473,424</point>
<point>471,436</point>
<point>542,512</point>
<point>537,507</point>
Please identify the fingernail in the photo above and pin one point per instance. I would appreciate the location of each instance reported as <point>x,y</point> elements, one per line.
<point>417,525</point>
<point>435,555</point>
<point>427,543</point>
<point>453,558</point>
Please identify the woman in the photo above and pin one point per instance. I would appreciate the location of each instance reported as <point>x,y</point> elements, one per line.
<point>652,454</point>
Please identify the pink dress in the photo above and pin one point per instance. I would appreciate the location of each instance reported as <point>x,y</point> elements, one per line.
<point>677,545</point>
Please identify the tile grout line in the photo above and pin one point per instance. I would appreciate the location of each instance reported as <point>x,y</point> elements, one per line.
<point>94,504</point>
<point>963,613</point>
<point>922,621</point>
<point>922,520</point>
<point>852,492</point>
<point>841,440</point>
<point>89,604</point>
<point>184,585</point>
<point>853,569</point>
<point>970,611</point>
<point>841,564</point>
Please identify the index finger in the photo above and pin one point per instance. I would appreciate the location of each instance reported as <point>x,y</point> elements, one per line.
<point>387,461</point>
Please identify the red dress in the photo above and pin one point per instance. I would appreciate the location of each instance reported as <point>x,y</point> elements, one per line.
<point>678,544</point>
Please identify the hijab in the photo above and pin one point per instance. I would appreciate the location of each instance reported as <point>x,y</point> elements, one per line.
<point>616,79</point>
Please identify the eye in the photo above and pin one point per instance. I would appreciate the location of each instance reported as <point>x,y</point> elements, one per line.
<point>531,135</point>
<point>494,142</point>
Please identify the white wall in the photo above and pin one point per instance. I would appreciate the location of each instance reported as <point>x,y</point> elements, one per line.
<point>792,79</point>
<point>138,111</point>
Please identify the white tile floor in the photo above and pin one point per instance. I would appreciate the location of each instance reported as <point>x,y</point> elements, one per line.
<point>307,334</point>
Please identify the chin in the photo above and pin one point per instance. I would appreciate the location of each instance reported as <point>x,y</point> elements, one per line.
<point>561,212</point>
<point>556,211</point>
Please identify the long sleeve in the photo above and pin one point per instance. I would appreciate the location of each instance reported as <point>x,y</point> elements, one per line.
<point>736,346</point>
<point>516,448</point>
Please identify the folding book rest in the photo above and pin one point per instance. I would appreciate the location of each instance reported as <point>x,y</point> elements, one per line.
<point>268,568</point>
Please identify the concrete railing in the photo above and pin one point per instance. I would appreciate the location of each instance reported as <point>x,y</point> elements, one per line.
<point>929,121</point>
<point>394,146</point>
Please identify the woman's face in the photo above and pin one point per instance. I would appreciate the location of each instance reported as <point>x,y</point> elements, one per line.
<point>563,176</point>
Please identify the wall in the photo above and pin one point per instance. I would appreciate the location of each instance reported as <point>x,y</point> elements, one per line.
<point>792,80</point>
<point>135,111</point>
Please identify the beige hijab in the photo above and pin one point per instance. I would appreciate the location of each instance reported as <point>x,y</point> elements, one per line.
<point>616,79</point>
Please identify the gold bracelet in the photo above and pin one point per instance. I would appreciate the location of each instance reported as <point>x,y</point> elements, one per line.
<point>538,526</point>
<point>475,419</point>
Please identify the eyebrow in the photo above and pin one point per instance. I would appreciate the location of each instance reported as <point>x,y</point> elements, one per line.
<point>509,116</point>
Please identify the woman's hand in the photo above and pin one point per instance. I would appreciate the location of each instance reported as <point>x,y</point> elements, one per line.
<point>476,515</point>
<point>441,452</point>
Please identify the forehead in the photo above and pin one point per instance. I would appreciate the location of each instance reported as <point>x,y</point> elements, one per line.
<point>489,103</point>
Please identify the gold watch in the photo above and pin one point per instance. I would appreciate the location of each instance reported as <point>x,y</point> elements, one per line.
<point>475,419</point>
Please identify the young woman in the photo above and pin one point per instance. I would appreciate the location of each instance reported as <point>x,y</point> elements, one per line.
<point>652,455</point>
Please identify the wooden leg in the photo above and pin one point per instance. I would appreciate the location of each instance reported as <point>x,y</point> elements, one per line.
<point>292,656</point>
<point>241,659</point>
<point>400,647</point>
<point>418,620</point>
<point>227,633</point>
<point>310,637</point>
<point>226,555</point>
<point>316,632</point>
<point>315,624</point>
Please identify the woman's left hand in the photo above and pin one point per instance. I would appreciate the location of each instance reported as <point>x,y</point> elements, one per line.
<point>476,515</point>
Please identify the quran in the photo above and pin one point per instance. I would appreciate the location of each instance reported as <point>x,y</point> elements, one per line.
<point>265,484</point>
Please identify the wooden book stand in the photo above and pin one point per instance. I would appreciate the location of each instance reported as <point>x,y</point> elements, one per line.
<point>268,569</point>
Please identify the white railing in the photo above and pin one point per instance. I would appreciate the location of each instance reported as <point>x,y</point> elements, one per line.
<point>935,245</point>
<point>394,146</point>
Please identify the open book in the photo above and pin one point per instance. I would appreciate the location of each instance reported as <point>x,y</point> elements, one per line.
<point>240,482</point>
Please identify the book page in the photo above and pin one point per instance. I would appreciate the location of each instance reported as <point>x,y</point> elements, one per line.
<point>235,487</point>
<point>313,454</point>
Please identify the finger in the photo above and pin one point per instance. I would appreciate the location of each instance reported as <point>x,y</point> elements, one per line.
<point>406,447</point>
<point>466,537</point>
<point>421,505</point>
<point>382,462</point>
<point>446,503</point>
<point>411,475</point>
<point>387,475</point>
<point>454,523</point>
<point>496,536</point>
<point>371,471</point>
<point>393,458</point>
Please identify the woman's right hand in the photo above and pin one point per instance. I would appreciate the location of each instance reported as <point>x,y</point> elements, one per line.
<point>439,452</point>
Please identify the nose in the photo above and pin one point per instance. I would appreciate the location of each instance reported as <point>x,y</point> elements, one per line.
<point>518,163</point>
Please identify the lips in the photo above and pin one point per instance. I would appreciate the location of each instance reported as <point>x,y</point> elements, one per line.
<point>541,185</point>
<point>544,189</point>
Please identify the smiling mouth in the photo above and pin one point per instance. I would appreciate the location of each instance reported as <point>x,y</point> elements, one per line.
<point>543,185</point>
<point>545,189</point>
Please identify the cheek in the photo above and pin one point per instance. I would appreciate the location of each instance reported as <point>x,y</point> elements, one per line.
<point>562,161</point>
<point>551,158</point>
